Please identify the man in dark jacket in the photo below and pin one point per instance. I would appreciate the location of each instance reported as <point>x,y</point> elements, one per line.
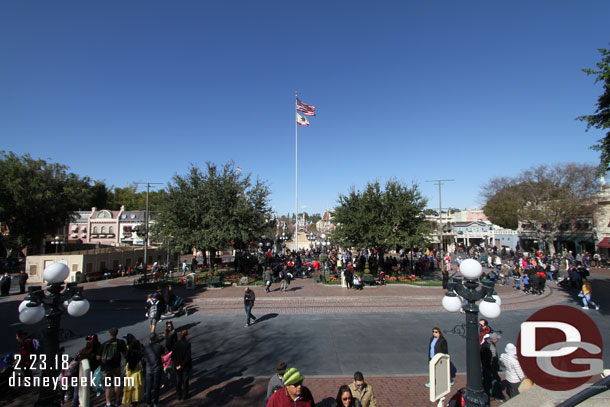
<point>490,363</point>
<point>154,369</point>
<point>181,359</point>
<point>23,279</point>
<point>249,298</point>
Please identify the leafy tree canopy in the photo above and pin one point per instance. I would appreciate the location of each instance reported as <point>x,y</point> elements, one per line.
<point>381,218</point>
<point>601,118</point>
<point>212,209</point>
<point>38,198</point>
<point>543,196</point>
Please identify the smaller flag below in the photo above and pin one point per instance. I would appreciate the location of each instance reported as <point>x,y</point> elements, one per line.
<point>308,110</point>
<point>239,169</point>
<point>302,121</point>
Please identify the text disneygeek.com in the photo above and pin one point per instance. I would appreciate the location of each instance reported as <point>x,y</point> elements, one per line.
<point>65,383</point>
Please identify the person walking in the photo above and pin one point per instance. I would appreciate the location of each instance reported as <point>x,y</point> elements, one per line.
<point>437,344</point>
<point>293,394</point>
<point>345,398</point>
<point>181,359</point>
<point>153,312</point>
<point>112,350</point>
<point>513,372</point>
<point>585,294</point>
<point>153,352</point>
<point>276,381</point>
<point>363,391</point>
<point>268,277</point>
<point>284,277</point>
<point>249,298</point>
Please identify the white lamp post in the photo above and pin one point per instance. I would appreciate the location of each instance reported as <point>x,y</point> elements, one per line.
<point>489,308</point>
<point>37,305</point>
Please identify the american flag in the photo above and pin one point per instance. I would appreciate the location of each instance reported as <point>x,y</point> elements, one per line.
<point>308,110</point>
<point>239,169</point>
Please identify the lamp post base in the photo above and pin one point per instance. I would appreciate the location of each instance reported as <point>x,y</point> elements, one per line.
<point>476,398</point>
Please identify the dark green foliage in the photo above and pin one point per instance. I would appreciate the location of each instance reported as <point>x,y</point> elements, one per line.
<point>381,218</point>
<point>601,119</point>
<point>37,198</point>
<point>213,210</point>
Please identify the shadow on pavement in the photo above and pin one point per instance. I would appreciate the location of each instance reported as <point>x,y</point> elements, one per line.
<point>266,317</point>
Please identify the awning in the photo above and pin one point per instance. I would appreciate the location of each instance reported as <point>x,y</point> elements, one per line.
<point>605,243</point>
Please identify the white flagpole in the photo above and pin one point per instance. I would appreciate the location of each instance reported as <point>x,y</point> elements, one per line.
<point>296,171</point>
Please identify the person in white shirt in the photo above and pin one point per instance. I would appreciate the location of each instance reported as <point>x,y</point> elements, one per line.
<point>514,373</point>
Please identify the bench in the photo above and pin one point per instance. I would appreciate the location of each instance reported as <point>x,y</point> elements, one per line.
<point>369,280</point>
<point>215,282</point>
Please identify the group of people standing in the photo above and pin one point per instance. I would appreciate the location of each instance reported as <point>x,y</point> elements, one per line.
<point>491,362</point>
<point>143,370</point>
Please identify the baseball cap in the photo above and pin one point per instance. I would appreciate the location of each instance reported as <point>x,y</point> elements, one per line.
<point>281,368</point>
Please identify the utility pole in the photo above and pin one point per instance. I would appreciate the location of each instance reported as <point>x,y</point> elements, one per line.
<point>440,215</point>
<point>148,184</point>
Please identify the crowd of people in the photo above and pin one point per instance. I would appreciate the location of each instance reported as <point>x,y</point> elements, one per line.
<point>286,389</point>
<point>143,371</point>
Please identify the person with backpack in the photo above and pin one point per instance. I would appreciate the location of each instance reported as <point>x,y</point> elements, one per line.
<point>153,312</point>
<point>112,350</point>
<point>284,278</point>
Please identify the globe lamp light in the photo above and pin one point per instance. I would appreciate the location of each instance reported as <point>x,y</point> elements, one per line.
<point>471,269</point>
<point>56,273</point>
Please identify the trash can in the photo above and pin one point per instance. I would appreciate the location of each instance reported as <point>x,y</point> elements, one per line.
<point>190,281</point>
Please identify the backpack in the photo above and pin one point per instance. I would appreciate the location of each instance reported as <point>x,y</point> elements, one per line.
<point>110,353</point>
<point>152,311</point>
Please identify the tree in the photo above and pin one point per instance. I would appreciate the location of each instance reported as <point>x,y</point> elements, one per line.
<point>601,119</point>
<point>381,218</point>
<point>544,198</point>
<point>37,198</point>
<point>213,210</point>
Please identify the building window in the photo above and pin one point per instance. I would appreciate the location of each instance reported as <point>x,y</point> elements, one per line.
<point>95,229</point>
<point>103,229</point>
<point>110,230</point>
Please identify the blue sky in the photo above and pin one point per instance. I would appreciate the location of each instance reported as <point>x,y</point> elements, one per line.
<point>127,91</point>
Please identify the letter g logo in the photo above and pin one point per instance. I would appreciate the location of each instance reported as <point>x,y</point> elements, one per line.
<point>552,351</point>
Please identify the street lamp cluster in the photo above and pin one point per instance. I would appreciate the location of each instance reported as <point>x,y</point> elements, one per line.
<point>464,294</point>
<point>57,242</point>
<point>37,305</point>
